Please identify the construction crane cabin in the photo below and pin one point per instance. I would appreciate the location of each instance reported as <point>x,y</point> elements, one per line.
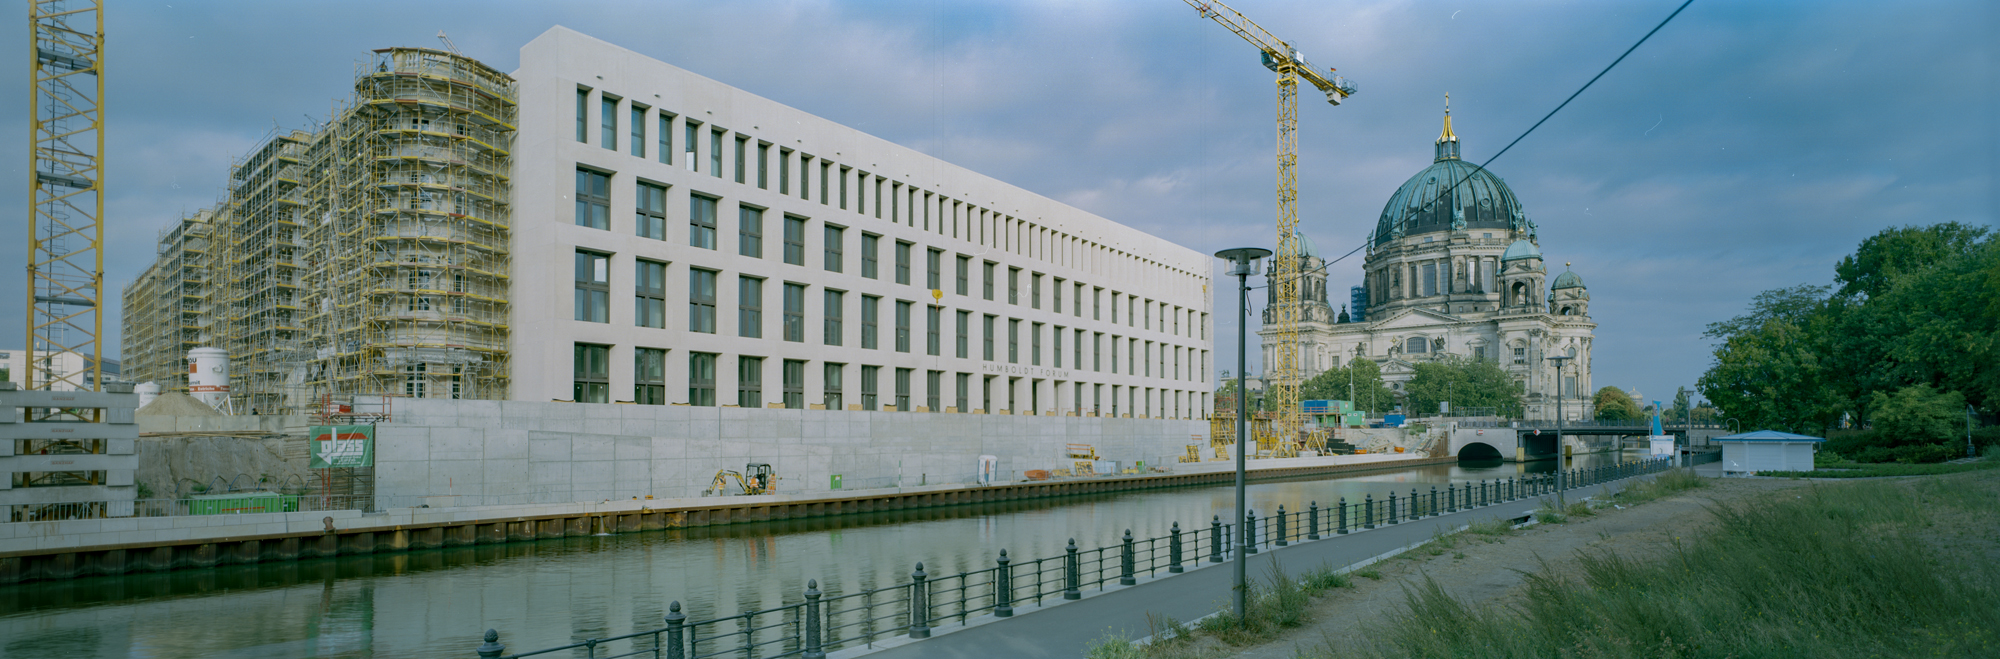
<point>1282,390</point>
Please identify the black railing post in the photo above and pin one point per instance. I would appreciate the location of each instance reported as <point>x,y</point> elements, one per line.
<point>1215,540</point>
<point>1174,550</point>
<point>1003,587</point>
<point>920,607</point>
<point>812,641</point>
<point>1281,527</point>
<point>1072,578</point>
<point>1249,532</point>
<point>1343,516</point>
<point>1413,505</point>
<point>1126,561</point>
<point>1451,497</point>
<point>1512,491</point>
<point>492,648</point>
<point>1312,521</point>
<point>1368,508</point>
<point>676,647</point>
<point>1392,508</point>
<point>1434,500</point>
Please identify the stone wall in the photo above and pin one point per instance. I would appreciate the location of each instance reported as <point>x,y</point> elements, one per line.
<point>505,452</point>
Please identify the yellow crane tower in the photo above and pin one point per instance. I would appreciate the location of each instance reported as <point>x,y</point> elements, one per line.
<point>1282,391</point>
<point>66,197</point>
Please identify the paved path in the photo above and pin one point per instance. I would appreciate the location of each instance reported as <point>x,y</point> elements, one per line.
<point>1067,629</point>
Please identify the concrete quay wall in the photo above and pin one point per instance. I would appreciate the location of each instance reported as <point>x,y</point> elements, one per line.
<point>531,452</point>
<point>33,551</point>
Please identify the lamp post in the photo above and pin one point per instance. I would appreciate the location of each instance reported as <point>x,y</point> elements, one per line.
<point>1560,462</point>
<point>1242,263</point>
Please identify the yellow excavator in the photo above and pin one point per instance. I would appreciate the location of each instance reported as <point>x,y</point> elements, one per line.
<point>756,478</point>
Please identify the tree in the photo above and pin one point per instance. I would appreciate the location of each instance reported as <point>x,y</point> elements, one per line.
<point>1772,378</point>
<point>1918,414</point>
<point>1466,383</point>
<point>1683,401</point>
<point>1368,392</point>
<point>1613,404</point>
<point>1894,253</point>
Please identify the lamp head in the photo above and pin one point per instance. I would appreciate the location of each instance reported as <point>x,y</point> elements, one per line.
<point>1243,260</point>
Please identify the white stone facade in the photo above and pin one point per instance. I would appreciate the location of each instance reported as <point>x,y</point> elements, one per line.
<point>847,223</point>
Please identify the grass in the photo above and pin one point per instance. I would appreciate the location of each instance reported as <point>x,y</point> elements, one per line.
<point>1879,469</point>
<point>1276,603</point>
<point>1857,569</point>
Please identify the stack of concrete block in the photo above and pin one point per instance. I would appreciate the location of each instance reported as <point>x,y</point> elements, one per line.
<point>111,451</point>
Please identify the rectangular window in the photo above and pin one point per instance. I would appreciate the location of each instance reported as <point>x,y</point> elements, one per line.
<point>650,212</point>
<point>1035,344</point>
<point>750,382</point>
<point>1114,354</point>
<point>988,337</point>
<point>825,174</point>
<point>1146,311</point>
<point>902,262</point>
<point>964,331</point>
<point>1429,279</point>
<point>701,221</point>
<point>750,307</point>
<point>870,246</point>
<point>1076,358</point>
<point>593,199</point>
<point>1035,290</point>
<point>649,290</point>
<point>903,390</point>
<point>1096,303</point>
<point>1148,356</point>
<point>843,187</point>
<point>1520,355</point>
<point>1077,300</point>
<point>832,309</point>
<point>608,123</point>
<point>1013,341</point>
<point>934,269</point>
<point>667,138</point>
<point>933,385</point>
<point>638,130</point>
<point>795,384</point>
<point>763,166</point>
<point>1055,347</point>
<point>784,171</point>
<point>1013,286</point>
<point>902,326</point>
<point>693,130</point>
<point>593,287</point>
<point>795,240</point>
<point>795,313</point>
<point>835,257</point>
<point>701,301</point>
<point>715,151</point>
<point>987,291</point>
<point>742,142</point>
<point>701,379</point>
<point>1055,291</point>
<point>831,384</point>
<point>649,376</point>
<point>870,378</point>
<point>964,391</point>
<point>868,315</point>
<point>592,365</point>
<point>933,319</point>
<point>1097,352</point>
<point>750,231</point>
<point>964,275</point>
<point>583,115</point>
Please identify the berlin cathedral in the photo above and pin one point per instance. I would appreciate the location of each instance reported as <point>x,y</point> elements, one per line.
<point>1454,269</point>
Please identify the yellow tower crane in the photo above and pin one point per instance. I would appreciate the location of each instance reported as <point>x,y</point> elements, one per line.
<point>66,197</point>
<point>1282,391</point>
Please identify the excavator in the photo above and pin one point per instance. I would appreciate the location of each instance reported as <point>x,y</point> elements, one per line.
<point>756,478</point>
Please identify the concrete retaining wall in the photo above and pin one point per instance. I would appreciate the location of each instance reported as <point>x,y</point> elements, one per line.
<point>528,452</point>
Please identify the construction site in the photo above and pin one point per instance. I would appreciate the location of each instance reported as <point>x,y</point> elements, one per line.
<point>367,256</point>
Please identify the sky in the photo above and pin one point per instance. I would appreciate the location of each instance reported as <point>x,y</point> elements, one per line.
<point>1747,146</point>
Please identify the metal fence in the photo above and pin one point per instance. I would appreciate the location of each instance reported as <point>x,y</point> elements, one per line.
<point>236,503</point>
<point>821,622</point>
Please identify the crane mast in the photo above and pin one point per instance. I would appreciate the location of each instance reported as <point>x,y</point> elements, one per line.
<point>66,196</point>
<point>1284,376</point>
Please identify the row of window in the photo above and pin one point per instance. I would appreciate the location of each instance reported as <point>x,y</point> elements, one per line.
<point>592,301</point>
<point>901,202</point>
<point>592,384</point>
<point>593,210</point>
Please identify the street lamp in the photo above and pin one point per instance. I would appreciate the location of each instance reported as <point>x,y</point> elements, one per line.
<point>1242,263</point>
<point>1560,462</point>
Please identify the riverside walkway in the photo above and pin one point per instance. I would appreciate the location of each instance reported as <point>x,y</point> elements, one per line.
<point>1067,629</point>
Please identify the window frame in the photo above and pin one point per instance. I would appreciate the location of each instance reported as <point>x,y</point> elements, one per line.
<point>795,240</point>
<point>749,231</point>
<point>593,206</point>
<point>871,307</point>
<point>592,299</point>
<point>832,308</point>
<point>701,305</point>
<point>649,292</point>
<point>701,390</point>
<point>749,306</point>
<point>835,238</point>
<point>749,381</point>
<point>795,312</point>
<point>702,209</point>
<point>649,211</point>
<point>649,377</point>
<point>590,369</point>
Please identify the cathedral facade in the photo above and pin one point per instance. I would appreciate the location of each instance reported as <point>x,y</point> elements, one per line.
<point>1454,269</point>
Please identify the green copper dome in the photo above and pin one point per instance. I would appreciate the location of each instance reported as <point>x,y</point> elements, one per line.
<point>1521,249</point>
<point>1450,194</point>
<point>1567,280</point>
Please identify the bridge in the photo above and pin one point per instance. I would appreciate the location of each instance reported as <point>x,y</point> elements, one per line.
<point>1521,441</point>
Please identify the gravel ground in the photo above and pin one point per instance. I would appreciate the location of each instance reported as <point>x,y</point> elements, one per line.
<point>1488,570</point>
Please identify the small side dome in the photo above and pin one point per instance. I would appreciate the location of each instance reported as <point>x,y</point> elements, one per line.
<point>1521,249</point>
<point>1567,280</point>
<point>1306,246</point>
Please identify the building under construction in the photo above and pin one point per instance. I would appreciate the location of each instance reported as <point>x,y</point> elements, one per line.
<point>166,306</point>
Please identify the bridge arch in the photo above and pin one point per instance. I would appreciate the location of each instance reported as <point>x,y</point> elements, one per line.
<point>1478,451</point>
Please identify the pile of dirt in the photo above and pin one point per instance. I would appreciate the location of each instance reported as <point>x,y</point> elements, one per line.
<point>174,403</point>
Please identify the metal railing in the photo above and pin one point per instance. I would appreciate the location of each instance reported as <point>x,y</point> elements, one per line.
<point>1590,424</point>
<point>822,622</point>
<point>221,504</point>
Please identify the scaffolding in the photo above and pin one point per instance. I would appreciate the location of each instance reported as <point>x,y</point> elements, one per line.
<point>165,307</point>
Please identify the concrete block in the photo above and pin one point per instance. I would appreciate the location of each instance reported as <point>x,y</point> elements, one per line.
<point>592,474</point>
<point>456,476</point>
<point>672,448</point>
<point>548,447</point>
<point>457,443</point>
<point>591,447</point>
<point>632,448</point>
<point>402,443</point>
<point>601,425</point>
<point>504,444</point>
<point>644,427</point>
<point>549,474</point>
<point>632,473</point>
<point>502,472</point>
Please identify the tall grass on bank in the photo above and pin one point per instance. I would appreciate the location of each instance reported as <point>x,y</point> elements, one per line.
<point>1276,603</point>
<point>1830,572</point>
<point>1876,469</point>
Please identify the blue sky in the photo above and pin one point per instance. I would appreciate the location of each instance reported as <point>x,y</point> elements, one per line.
<point>1747,146</point>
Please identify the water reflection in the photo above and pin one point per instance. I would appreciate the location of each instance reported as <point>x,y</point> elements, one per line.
<point>549,592</point>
